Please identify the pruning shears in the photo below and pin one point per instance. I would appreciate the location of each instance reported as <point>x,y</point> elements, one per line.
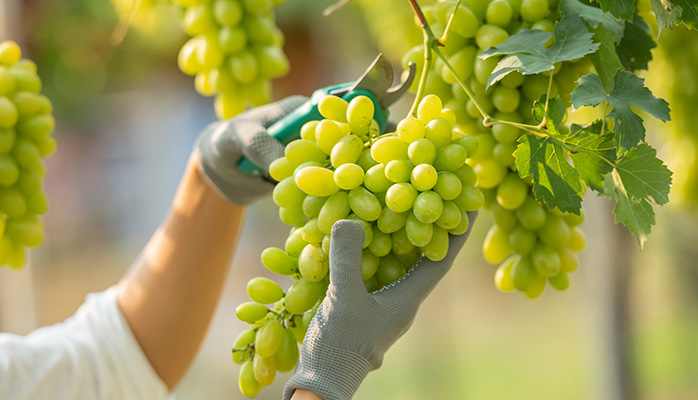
<point>375,83</point>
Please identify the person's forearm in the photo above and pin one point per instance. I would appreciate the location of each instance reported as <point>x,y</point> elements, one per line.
<point>169,295</point>
<point>302,394</point>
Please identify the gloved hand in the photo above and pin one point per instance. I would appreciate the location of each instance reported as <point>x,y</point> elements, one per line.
<point>222,144</point>
<point>353,329</point>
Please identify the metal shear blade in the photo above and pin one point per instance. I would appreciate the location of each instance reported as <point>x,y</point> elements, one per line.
<point>378,78</point>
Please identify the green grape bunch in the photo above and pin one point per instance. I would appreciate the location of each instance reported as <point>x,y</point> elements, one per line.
<point>26,125</point>
<point>408,189</point>
<point>234,51</point>
<point>532,244</point>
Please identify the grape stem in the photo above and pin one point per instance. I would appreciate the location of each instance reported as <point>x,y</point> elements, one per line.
<point>335,7</point>
<point>124,24</point>
<point>450,21</point>
<point>547,101</point>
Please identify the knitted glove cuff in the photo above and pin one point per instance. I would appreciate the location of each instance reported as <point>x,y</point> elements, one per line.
<point>331,373</point>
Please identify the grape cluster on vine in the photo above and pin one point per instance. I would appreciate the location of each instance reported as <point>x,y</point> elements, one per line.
<point>26,125</point>
<point>234,51</point>
<point>408,189</point>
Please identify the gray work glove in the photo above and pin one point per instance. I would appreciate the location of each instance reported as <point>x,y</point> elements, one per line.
<point>222,144</point>
<point>352,328</point>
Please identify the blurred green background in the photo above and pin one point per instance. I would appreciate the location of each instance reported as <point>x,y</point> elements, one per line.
<point>127,119</point>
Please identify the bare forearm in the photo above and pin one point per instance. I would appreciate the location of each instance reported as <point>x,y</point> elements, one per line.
<point>171,291</point>
<point>302,394</point>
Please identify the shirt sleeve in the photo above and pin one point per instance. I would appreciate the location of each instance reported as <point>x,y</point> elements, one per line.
<point>91,355</point>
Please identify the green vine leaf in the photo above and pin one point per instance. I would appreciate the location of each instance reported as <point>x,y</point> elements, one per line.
<point>592,153</point>
<point>621,9</point>
<point>634,50</point>
<point>667,12</point>
<point>594,17</point>
<point>555,181</point>
<point>628,90</point>
<point>689,14</point>
<point>557,113</point>
<point>638,180</point>
<point>525,52</point>
<point>606,59</point>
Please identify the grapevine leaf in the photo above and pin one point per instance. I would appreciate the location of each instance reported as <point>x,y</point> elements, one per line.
<point>689,15</point>
<point>606,59</point>
<point>594,17</point>
<point>591,153</point>
<point>557,113</point>
<point>621,9</point>
<point>628,90</point>
<point>667,14</point>
<point>554,179</point>
<point>636,214</point>
<point>644,175</point>
<point>638,180</point>
<point>527,54</point>
<point>634,50</point>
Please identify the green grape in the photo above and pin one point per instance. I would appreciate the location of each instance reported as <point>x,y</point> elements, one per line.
<point>29,181</point>
<point>12,202</point>
<point>360,114</point>
<point>522,240</point>
<point>523,273</point>
<point>449,116</point>
<point>312,205</point>
<point>391,221</point>
<point>311,232</point>
<point>466,174</point>
<point>531,215</point>
<point>258,6</point>
<point>227,105</point>
<point>246,380</point>
<point>577,241</point>
<point>503,153</point>
<point>448,186</point>
<point>439,132</point>
<point>9,170</point>
<point>278,261</point>
<point>418,232</point>
<point>381,244</point>
<point>264,369</point>
<point>462,62</point>
<point>506,99</point>
<point>462,226</point>
<point>232,40</point>
<point>512,192</point>
<point>261,30</point>
<point>316,181</point>
<point>450,216</point>
<point>429,108</point>
<point>390,270</point>
<point>389,148</point>
<point>423,177</point>
<point>502,278</point>
<point>427,207</point>
<point>308,130</point>
<point>369,264</point>
<point>568,260</point>
<point>546,260</point>
<point>26,231</point>
<point>10,53</point>
<point>450,157</point>
<point>574,220</point>
<point>287,354</point>
<point>348,176</point>
<point>465,23</point>
<point>37,204</point>
<point>469,199</point>
<point>299,151</point>
<point>26,153</point>
<point>335,208</point>
<point>297,328</point>
<point>251,312</point>
<point>294,243</point>
<point>421,151</point>
<point>364,204</point>
<point>504,218</point>
<point>437,248</point>
<point>334,108</point>
<point>499,12</point>
<point>512,80</point>
<point>560,281</point>
<point>327,134</point>
<point>198,20</point>
<point>543,25</point>
<point>313,263</point>
<point>264,290</point>
<point>245,338</point>
<point>490,36</point>
<point>281,168</point>
<point>269,338</point>
<point>291,216</point>
<point>398,171</point>
<point>376,180</point>
<point>303,295</point>
<point>489,173</point>
<point>485,144</point>
<point>533,10</point>
<point>496,246</point>
<point>286,194</point>
<point>537,287</point>
<point>483,68</point>
<point>554,231</point>
<point>8,113</point>
<point>411,129</point>
<point>400,197</point>
<point>7,140</point>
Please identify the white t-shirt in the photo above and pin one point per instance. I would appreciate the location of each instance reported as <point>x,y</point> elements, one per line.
<point>92,355</point>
